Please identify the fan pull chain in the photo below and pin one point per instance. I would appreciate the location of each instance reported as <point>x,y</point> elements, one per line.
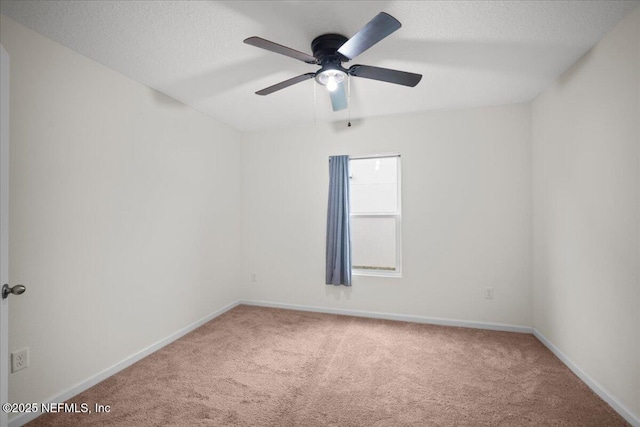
<point>315,106</point>
<point>349,99</point>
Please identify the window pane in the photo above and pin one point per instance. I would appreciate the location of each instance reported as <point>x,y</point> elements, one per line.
<point>373,243</point>
<point>374,185</point>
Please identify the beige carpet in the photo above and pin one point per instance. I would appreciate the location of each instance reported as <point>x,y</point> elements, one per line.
<point>256,366</point>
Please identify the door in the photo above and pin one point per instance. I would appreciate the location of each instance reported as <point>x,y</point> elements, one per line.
<point>4,230</point>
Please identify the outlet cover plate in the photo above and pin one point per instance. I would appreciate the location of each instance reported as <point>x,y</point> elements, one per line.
<point>488,293</point>
<point>19,359</point>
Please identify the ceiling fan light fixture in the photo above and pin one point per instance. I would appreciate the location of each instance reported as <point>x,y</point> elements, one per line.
<point>331,78</point>
<point>332,85</point>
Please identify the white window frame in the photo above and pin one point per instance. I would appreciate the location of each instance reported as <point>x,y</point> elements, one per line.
<point>397,216</point>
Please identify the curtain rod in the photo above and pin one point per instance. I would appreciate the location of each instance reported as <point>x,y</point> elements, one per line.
<point>373,156</point>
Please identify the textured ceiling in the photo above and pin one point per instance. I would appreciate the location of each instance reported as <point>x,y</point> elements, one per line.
<point>471,53</point>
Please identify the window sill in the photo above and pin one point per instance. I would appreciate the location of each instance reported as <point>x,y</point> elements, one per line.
<point>374,273</point>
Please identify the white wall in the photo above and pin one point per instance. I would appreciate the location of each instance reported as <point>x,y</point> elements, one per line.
<point>586,213</point>
<point>124,215</point>
<point>466,178</point>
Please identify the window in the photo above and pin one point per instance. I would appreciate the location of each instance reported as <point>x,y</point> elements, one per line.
<point>375,215</point>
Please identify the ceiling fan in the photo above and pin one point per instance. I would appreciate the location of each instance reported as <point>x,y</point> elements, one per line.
<point>331,50</point>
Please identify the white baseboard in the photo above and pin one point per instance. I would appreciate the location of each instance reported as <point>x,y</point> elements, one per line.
<point>393,316</point>
<point>90,382</point>
<point>605,395</point>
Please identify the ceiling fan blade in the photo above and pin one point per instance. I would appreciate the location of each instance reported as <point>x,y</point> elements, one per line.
<point>285,84</point>
<point>278,48</point>
<point>377,29</point>
<point>339,98</point>
<point>386,75</point>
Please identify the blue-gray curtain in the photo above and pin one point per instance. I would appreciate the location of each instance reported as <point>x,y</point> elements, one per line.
<point>338,228</point>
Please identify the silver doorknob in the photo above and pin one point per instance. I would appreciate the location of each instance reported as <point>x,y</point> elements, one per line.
<point>15,290</point>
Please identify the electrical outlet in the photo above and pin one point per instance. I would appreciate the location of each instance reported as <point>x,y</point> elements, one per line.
<point>254,277</point>
<point>488,293</point>
<point>19,359</point>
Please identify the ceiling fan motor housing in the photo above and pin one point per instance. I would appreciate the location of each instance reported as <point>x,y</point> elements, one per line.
<point>325,48</point>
